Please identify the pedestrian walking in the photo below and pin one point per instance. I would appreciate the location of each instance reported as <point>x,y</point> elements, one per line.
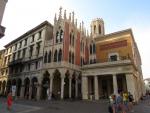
<point>125,100</point>
<point>9,101</point>
<point>119,102</point>
<point>131,99</point>
<point>112,104</point>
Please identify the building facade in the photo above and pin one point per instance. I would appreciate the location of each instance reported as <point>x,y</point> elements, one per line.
<point>62,61</point>
<point>2,8</point>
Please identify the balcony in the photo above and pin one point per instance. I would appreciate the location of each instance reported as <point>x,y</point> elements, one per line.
<point>18,61</point>
<point>122,60</point>
<point>2,31</point>
<point>61,64</point>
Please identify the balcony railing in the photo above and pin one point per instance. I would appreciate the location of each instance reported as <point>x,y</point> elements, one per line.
<point>18,61</point>
<point>121,58</point>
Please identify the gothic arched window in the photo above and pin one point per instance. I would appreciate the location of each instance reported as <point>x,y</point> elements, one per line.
<point>81,46</point>
<point>72,58</point>
<point>94,28</point>
<point>45,58</point>
<point>100,29</point>
<point>49,57</point>
<point>55,56</point>
<point>60,55</point>
<point>73,40</point>
<point>61,35</point>
<point>81,61</point>
<point>69,57</point>
<point>70,39</point>
<point>57,36</point>
<point>94,48</point>
<point>90,49</point>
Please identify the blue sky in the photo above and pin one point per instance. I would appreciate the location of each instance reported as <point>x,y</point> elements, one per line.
<point>22,15</point>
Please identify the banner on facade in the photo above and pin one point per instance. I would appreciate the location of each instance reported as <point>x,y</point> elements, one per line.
<point>13,90</point>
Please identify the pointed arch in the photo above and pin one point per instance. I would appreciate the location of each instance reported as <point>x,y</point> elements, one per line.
<point>19,84</point>
<point>27,85</point>
<point>55,56</point>
<point>45,57</point>
<point>81,61</point>
<point>66,85</point>
<point>49,56</point>
<point>4,87</point>
<point>73,40</point>
<point>70,38</point>
<point>56,85</point>
<point>94,28</point>
<point>90,49</point>
<point>94,48</point>
<point>72,58</point>
<point>81,46</point>
<point>45,84</point>
<point>99,29</point>
<point>34,83</point>
<point>9,84</point>
<point>57,36</point>
<point>61,35</point>
<point>60,55</point>
<point>69,57</point>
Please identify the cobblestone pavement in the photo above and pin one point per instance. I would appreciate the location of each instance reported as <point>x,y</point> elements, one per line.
<point>25,106</point>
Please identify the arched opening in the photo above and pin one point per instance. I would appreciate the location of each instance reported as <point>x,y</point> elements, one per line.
<point>45,85</point>
<point>70,38</point>
<point>56,85</point>
<point>66,85</point>
<point>81,46</point>
<point>100,29</point>
<point>72,58</point>
<point>73,86</point>
<point>3,87</point>
<point>73,40</point>
<point>49,57</point>
<point>90,49</point>
<point>60,55</point>
<point>8,86</point>
<point>69,57</point>
<point>81,61</point>
<point>79,87</point>
<point>34,87</point>
<point>45,57</point>
<point>94,29</point>
<point>90,86</point>
<point>55,56</point>
<point>105,86</point>
<point>121,82</point>
<point>61,35</point>
<point>94,48</point>
<point>57,36</point>
<point>13,82</point>
<point>27,85</point>
<point>19,84</point>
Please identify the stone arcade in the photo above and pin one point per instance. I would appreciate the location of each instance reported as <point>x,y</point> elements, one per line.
<point>62,61</point>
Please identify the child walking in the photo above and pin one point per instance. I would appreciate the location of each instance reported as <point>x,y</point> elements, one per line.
<point>9,101</point>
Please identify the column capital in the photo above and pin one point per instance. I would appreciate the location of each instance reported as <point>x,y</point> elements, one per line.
<point>114,74</point>
<point>62,77</point>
